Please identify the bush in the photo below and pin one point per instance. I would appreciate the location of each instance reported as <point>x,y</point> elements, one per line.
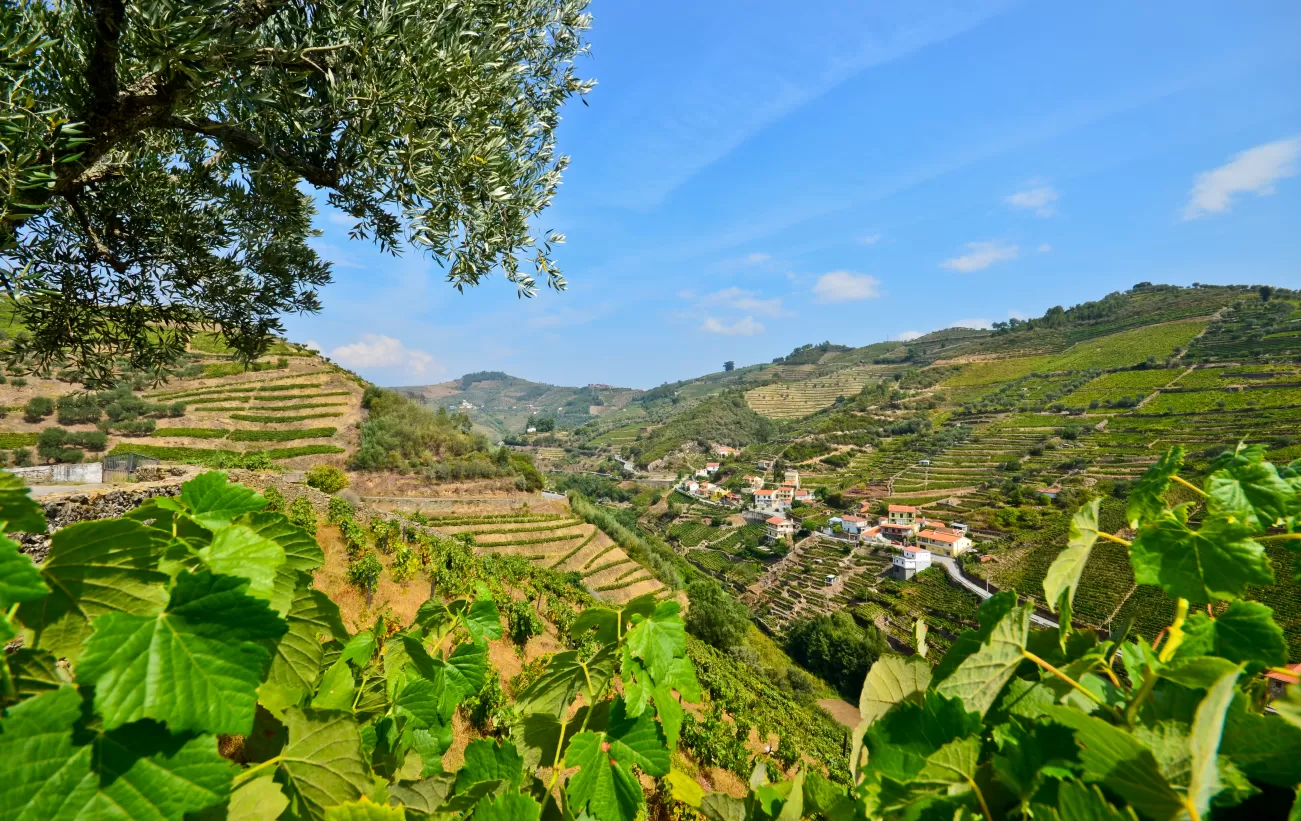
<point>19,382</point>
<point>837,649</point>
<point>714,616</point>
<point>37,408</point>
<point>303,514</point>
<point>524,622</point>
<point>275,500</point>
<point>130,427</point>
<point>63,446</point>
<point>22,458</point>
<point>405,564</point>
<point>338,510</point>
<point>364,571</point>
<point>78,409</point>
<point>327,478</point>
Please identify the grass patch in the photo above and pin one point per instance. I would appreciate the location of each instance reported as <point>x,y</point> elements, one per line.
<point>18,440</point>
<point>1126,348</point>
<point>280,435</point>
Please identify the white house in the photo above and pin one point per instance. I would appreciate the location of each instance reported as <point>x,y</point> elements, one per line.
<point>702,474</point>
<point>946,544</point>
<point>763,464</point>
<point>711,467</point>
<point>792,478</point>
<point>779,527</point>
<point>767,500</point>
<point>755,482</point>
<point>803,495</point>
<point>853,525</point>
<point>909,561</point>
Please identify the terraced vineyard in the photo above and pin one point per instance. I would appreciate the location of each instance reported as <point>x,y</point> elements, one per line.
<point>790,400</point>
<point>550,534</point>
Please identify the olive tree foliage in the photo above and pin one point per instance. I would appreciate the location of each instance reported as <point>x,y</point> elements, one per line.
<point>160,160</point>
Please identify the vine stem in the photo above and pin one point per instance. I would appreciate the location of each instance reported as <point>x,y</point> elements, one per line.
<point>245,777</point>
<point>1102,534</point>
<point>1176,631</point>
<point>1085,690</point>
<point>1190,486</point>
<point>1278,537</point>
<point>980,796</point>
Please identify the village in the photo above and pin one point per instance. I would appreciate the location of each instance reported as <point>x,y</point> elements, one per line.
<point>785,509</point>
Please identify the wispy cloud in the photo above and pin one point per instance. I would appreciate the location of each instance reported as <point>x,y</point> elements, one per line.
<point>846,286</point>
<point>336,255</point>
<point>1039,198</point>
<point>978,324</point>
<point>1253,171</point>
<point>742,327</point>
<point>379,351</point>
<point>981,255</point>
<point>869,239</point>
<point>1018,315</point>
<point>740,299</point>
<point>312,345</point>
<point>908,336</point>
<point>1044,248</point>
<point>757,258</point>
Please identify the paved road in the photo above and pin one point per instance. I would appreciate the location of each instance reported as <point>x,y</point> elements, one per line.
<point>951,567</point>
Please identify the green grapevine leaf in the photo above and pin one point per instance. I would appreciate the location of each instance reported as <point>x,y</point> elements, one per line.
<point>1204,742</point>
<point>1064,573</point>
<point>603,621</point>
<point>1196,672</point>
<point>18,510</point>
<point>1146,501</point>
<point>565,677</point>
<point>954,763</point>
<point>196,666</point>
<point>1029,752</point>
<point>296,665</point>
<point>1243,486</point>
<point>365,810</point>
<point>981,676</point>
<point>719,806</point>
<point>338,688</point>
<point>919,636</point>
<point>467,667</point>
<point>240,551</point>
<point>141,772</point>
<point>424,796</point>
<point>991,614</point>
<point>35,671</point>
<point>901,741</point>
<point>302,553</point>
<point>323,765</point>
<point>19,579</point>
<point>659,639</point>
<point>604,785</point>
<point>94,568</point>
<point>1219,561</point>
<point>1289,705</point>
<point>1079,802</point>
<point>892,679</point>
<point>1118,761</point>
<point>1245,632</point>
<point>213,501</point>
<point>488,760</point>
<point>360,649</point>
<point>482,618</point>
<point>539,733</point>
<point>258,800</point>
<point>685,788</point>
<point>508,807</point>
<point>1262,747</point>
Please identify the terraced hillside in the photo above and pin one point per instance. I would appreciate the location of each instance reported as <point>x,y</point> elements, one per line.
<point>549,534</point>
<point>291,406</point>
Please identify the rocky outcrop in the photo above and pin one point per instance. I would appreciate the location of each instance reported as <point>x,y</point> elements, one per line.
<point>70,508</point>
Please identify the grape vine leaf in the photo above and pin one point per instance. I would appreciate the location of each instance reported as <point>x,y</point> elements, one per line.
<point>467,667</point>
<point>424,796</point>
<point>564,677</point>
<point>240,551</point>
<point>94,568</point>
<point>981,676</point>
<point>991,614</point>
<point>141,772</point>
<point>338,688</point>
<point>1080,802</point>
<point>658,639</point>
<point>539,733</point>
<point>1263,748</point>
<point>901,741</point>
<point>213,501</point>
<point>600,621</point>
<point>604,785</point>
<point>1204,742</point>
<point>1243,485</point>
<point>890,680</point>
<point>365,810</point>
<point>1218,561</point>
<point>1064,573</point>
<point>323,763</point>
<point>489,760</point>
<point>482,619</point>
<point>302,553</point>
<point>1028,752</point>
<point>360,649</point>
<point>18,510</point>
<point>296,665</point>
<point>954,763</point>
<point>508,807</point>
<point>919,636</point>
<point>20,581</point>
<point>1245,631</point>
<point>35,671</point>
<point>1146,500</point>
<point>258,800</point>
<point>195,666</point>
<point>1118,761</point>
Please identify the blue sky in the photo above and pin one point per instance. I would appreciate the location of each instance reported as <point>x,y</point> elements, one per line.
<point>753,175</point>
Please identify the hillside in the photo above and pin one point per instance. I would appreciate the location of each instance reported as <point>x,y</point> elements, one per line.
<point>290,408</point>
<point>970,426</point>
<point>501,405</point>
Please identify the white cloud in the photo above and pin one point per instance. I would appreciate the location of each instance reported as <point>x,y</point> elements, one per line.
<point>870,239</point>
<point>757,258</point>
<point>908,336</point>
<point>1044,248</point>
<point>743,300</point>
<point>1017,315</point>
<point>1252,171</point>
<point>978,324</point>
<point>742,327</point>
<point>845,286</point>
<point>1041,199</point>
<point>379,351</point>
<point>341,219</point>
<point>981,255</point>
<point>312,345</point>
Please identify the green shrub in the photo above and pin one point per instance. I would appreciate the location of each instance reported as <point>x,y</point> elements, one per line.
<point>18,382</point>
<point>280,435</point>
<point>364,571</point>
<point>303,514</point>
<point>276,420</point>
<point>22,458</point>
<point>78,409</point>
<point>524,621</point>
<point>189,433</point>
<point>130,427</point>
<point>37,408</point>
<point>326,478</point>
<point>275,499</point>
<point>338,510</point>
<point>405,564</point>
<point>64,446</point>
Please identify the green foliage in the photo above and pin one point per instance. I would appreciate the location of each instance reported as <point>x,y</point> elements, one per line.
<point>198,177</point>
<point>714,616</point>
<point>302,514</point>
<point>836,648</point>
<point>280,435</point>
<point>37,408</point>
<point>263,419</point>
<point>275,500</point>
<point>723,419</point>
<point>364,570</point>
<point>220,457</point>
<point>646,550</point>
<point>326,478</point>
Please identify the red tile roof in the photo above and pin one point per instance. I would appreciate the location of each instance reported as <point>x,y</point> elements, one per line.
<point>902,509</point>
<point>1284,677</point>
<point>948,538</point>
<point>776,520</point>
